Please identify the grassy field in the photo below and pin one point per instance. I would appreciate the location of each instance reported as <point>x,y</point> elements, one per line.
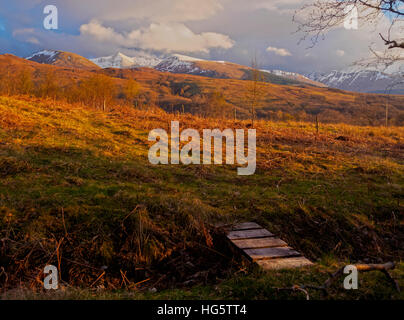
<point>77,191</point>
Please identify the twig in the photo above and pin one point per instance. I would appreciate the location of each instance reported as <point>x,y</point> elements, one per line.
<point>140,282</point>
<point>101,275</point>
<point>125,280</point>
<point>64,224</point>
<point>296,288</point>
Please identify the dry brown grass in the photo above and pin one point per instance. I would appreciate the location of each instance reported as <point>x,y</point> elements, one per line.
<point>163,89</point>
<point>76,189</point>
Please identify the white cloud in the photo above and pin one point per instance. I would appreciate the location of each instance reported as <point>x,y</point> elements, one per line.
<point>33,40</point>
<point>279,51</point>
<point>162,11</point>
<point>27,35</point>
<point>23,32</point>
<point>278,5</point>
<point>158,36</point>
<point>109,26</point>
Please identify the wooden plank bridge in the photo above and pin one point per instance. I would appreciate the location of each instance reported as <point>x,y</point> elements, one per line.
<point>264,248</point>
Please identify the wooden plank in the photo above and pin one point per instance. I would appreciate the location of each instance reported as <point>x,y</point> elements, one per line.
<point>247,234</point>
<point>285,263</point>
<point>246,226</point>
<point>262,247</point>
<point>259,243</point>
<point>271,253</point>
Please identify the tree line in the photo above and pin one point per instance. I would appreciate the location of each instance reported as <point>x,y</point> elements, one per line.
<point>98,90</point>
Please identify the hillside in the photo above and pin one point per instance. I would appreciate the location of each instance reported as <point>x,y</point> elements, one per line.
<point>190,93</point>
<point>278,102</point>
<point>62,59</point>
<point>78,179</point>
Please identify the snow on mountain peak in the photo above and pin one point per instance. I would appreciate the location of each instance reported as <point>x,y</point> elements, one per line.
<point>120,60</point>
<point>178,63</point>
<point>48,55</point>
<point>360,79</point>
<point>186,58</point>
<point>282,73</point>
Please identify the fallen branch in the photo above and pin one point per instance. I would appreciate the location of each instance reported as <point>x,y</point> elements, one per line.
<point>365,268</point>
<point>383,268</point>
<point>360,267</point>
<point>296,288</point>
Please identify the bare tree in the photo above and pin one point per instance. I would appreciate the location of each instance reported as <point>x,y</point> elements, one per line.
<point>98,91</point>
<point>255,90</point>
<point>216,105</point>
<point>316,19</point>
<point>132,91</point>
<point>49,85</point>
<point>24,82</point>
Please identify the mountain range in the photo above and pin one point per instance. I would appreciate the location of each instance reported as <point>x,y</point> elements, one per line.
<point>178,63</point>
<point>175,63</point>
<point>362,80</point>
<point>352,79</point>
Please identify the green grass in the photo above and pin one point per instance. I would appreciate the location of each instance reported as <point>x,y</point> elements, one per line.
<point>80,178</point>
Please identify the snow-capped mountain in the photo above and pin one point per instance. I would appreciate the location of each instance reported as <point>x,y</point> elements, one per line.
<point>352,79</point>
<point>44,56</point>
<point>62,59</point>
<point>178,63</point>
<point>119,60</point>
<point>285,73</point>
<point>361,80</point>
<point>295,76</point>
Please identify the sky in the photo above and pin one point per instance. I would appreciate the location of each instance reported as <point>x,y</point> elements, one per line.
<point>231,30</point>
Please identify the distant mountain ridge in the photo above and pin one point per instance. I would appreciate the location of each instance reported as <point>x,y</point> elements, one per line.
<point>362,80</point>
<point>182,64</point>
<point>175,63</point>
<point>295,76</point>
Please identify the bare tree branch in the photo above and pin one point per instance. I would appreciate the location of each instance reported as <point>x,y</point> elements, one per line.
<point>316,19</point>
<point>392,43</point>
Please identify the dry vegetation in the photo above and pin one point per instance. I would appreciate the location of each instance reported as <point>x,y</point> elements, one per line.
<point>77,191</point>
<point>203,96</point>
